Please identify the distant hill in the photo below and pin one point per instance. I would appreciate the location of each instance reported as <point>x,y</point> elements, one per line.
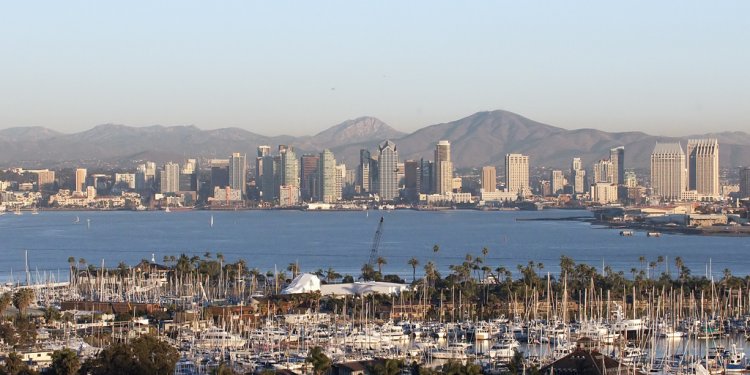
<point>479,139</point>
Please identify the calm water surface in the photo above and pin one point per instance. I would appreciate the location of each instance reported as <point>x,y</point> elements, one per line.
<point>342,240</point>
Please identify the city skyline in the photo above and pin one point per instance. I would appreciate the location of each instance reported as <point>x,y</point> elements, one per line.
<point>664,67</point>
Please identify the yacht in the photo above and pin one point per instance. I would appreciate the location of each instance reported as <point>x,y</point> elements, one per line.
<point>215,337</point>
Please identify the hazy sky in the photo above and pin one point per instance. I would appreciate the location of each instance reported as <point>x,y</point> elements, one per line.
<point>298,67</point>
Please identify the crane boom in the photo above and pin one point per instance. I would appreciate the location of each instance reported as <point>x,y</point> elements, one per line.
<point>376,244</point>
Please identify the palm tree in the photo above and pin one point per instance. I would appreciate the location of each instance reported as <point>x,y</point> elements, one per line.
<point>332,275</point>
<point>320,362</point>
<point>381,261</point>
<point>22,299</point>
<point>368,272</point>
<point>293,268</point>
<point>413,262</point>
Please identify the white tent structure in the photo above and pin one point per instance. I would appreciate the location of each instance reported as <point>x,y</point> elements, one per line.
<point>303,283</point>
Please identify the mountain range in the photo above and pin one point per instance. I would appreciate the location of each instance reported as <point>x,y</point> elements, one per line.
<point>480,139</point>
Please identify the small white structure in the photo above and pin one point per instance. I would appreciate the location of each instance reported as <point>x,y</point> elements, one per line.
<point>303,283</point>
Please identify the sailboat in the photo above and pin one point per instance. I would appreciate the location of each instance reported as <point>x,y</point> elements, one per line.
<point>167,209</point>
<point>77,220</point>
<point>18,211</point>
<point>35,211</point>
<point>212,221</point>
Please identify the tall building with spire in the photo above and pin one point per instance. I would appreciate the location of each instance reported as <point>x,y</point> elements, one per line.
<point>443,168</point>
<point>668,175</point>
<point>703,167</point>
<point>388,171</point>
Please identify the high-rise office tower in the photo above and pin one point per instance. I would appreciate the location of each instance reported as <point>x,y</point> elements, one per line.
<point>268,178</point>
<point>516,173</point>
<point>443,168</point>
<point>219,173</point>
<point>289,167</point>
<point>81,180</point>
<point>309,176</point>
<point>426,176</point>
<point>557,181</point>
<point>744,182</point>
<point>411,179</point>
<point>668,176</point>
<point>489,179</point>
<point>45,179</point>
<point>261,152</point>
<point>327,177</point>
<point>578,175</point>
<point>364,179</point>
<point>604,172</point>
<point>388,171</point>
<point>340,176</point>
<point>170,178</point>
<point>703,166</point>
<point>238,172</point>
<point>617,157</point>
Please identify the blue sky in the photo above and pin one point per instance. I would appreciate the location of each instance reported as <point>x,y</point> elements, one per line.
<point>298,67</point>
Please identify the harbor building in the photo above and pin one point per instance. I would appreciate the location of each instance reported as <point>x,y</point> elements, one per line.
<point>668,175</point>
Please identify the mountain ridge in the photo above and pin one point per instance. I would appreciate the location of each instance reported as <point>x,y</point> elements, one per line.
<point>482,138</point>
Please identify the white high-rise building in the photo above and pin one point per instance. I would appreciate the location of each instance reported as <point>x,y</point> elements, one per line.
<point>443,168</point>
<point>604,172</point>
<point>578,175</point>
<point>327,177</point>
<point>668,175</point>
<point>517,173</point>
<point>703,167</point>
<point>557,181</point>
<point>81,180</point>
<point>744,182</point>
<point>170,178</point>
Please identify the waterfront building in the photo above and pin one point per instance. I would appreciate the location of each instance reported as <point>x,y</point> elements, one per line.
<point>703,167</point>
<point>45,178</point>
<point>617,157</point>
<point>744,182</point>
<point>412,180</point>
<point>489,179</point>
<point>631,179</point>
<point>80,180</point>
<point>145,177</point>
<point>238,172</point>
<point>517,173</point>
<point>219,173</point>
<point>288,195</point>
<point>604,193</point>
<point>340,176</point>
<point>557,182</point>
<point>327,177</point>
<point>309,176</point>
<point>578,175</point>
<point>268,178</point>
<point>169,178</point>
<point>443,172</point>
<point>668,175</point>
<point>388,171</point>
<point>124,181</point>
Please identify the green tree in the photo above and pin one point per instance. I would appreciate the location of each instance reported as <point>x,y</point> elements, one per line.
<point>15,366</point>
<point>144,355</point>
<point>5,300</point>
<point>64,362</point>
<point>381,261</point>
<point>223,369</point>
<point>332,275</point>
<point>388,367</point>
<point>319,360</point>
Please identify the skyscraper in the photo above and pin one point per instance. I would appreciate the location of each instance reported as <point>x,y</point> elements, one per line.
<point>327,177</point>
<point>268,178</point>
<point>309,176</point>
<point>604,172</point>
<point>703,166</point>
<point>578,175</point>
<point>238,173</point>
<point>289,167</point>
<point>388,171</point>
<point>443,168</point>
<point>411,179</point>
<point>363,171</point>
<point>517,173</point>
<point>668,177</point>
<point>219,173</point>
<point>489,179</point>
<point>262,152</point>
<point>426,176</point>
<point>557,181</point>
<point>81,180</point>
<point>744,182</point>
<point>617,157</point>
<point>169,180</point>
